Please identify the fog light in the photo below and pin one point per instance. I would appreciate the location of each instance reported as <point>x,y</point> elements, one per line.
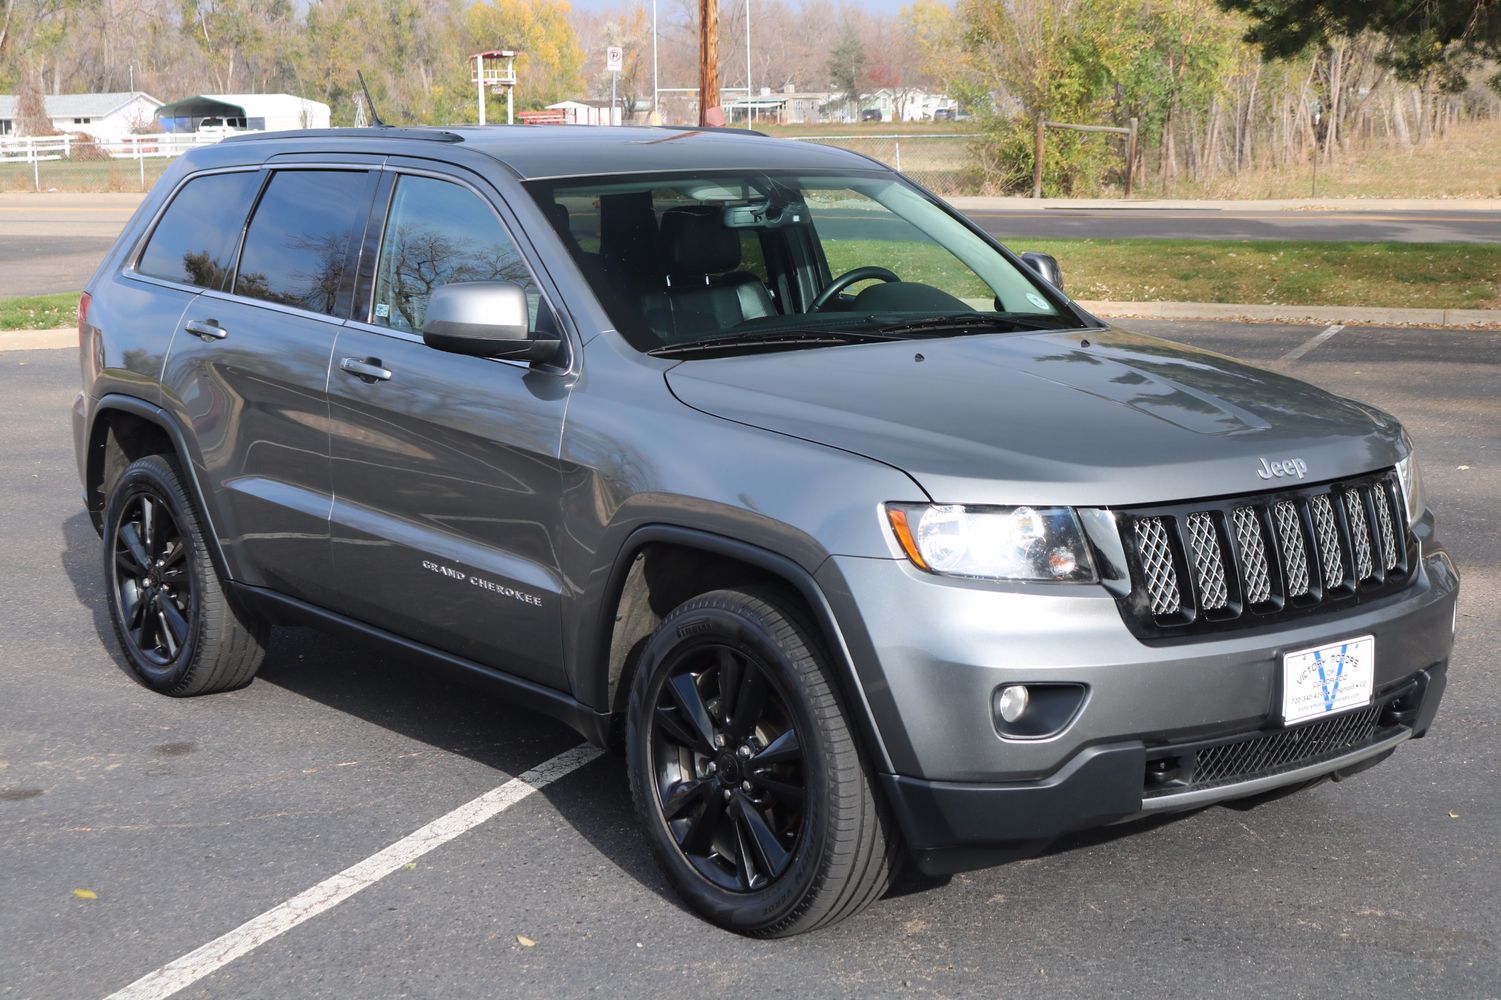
<point>1012,702</point>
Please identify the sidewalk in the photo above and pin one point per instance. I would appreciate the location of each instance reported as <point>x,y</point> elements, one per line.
<point>1353,315</point>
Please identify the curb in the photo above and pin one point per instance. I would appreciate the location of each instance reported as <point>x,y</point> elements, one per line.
<point>1015,204</point>
<point>1458,318</point>
<point>38,340</point>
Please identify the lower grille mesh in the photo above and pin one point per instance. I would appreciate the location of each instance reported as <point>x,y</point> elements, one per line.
<point>1285,750</point>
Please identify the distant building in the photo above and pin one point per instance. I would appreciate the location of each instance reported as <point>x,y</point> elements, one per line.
<point>587,112</point>
<point>108,117</point>
<point>909,105</point>
<point>788,106</point>
<point>231,112</point>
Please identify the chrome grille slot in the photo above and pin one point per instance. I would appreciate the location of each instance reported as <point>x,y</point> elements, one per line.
<point>1360,535</point>
<point>1253,563</point>
<point>1294,554</point>
<point>1209,568</point>
<point>1327,532</point>
<point>1386,528</point>
<point>1157,564</point>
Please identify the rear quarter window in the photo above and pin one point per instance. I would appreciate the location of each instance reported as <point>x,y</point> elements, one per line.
<point>298,247</point>
<point>194,242</point>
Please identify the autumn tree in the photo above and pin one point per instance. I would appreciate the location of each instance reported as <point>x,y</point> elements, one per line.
<point>550,68</point>
<point>1443,36</point>
<point>31,110</point>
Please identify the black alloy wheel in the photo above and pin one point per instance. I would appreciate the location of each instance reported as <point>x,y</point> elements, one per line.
<point>152,578</point>
<point>749,782</point>
<point>179,631</point>
<point>728,765</point>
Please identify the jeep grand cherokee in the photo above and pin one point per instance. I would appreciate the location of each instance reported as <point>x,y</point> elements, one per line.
<point>864,540</point>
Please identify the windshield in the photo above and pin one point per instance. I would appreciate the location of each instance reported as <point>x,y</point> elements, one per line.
<point>766,260</point>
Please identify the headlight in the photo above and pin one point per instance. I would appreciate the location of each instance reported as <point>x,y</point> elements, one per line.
<point>1411,479</point>
<point>993,543</point>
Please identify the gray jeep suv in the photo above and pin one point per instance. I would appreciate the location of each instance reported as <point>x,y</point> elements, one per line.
<point>753,458</point>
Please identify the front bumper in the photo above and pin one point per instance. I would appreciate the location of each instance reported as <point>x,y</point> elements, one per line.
<point>954,826</point>
<point>930,653</point>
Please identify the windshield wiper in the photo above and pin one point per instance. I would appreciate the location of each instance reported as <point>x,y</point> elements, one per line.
<point>971,321</point>
<point>777,338</point>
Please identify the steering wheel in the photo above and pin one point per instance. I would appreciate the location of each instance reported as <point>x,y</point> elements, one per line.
<point>847,279</point>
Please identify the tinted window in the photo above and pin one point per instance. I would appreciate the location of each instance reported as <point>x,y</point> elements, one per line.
<point>297,248</point>
<point>438,233</point>
<point>196,237</point>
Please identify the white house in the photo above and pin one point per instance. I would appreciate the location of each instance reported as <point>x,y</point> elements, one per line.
<point>909,105</point>
<point>587,112</point>
<point>256,112</point>
<point>108,117</point>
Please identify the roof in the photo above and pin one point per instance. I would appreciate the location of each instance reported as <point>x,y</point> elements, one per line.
<point>78,105</point>
<point>536,151</point>
<point>542,151</point>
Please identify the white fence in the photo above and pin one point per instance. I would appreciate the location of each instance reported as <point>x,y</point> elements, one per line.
<point>38,150</point>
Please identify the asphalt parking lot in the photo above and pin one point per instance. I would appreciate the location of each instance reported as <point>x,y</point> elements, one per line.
<point>182,819</point>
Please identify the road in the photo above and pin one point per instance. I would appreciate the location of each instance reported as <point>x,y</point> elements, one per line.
<point>186,818</point>
<point>1354,225</point>
<point>52,243</point>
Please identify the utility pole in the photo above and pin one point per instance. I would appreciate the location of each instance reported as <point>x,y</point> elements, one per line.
<point>708,58</point>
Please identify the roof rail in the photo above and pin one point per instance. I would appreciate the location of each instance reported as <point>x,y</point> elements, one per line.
<point>377,132</point>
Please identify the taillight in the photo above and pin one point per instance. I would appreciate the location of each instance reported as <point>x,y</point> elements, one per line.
<point>83,316</point>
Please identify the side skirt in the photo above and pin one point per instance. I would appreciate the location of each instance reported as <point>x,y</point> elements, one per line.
<point>283,610</point>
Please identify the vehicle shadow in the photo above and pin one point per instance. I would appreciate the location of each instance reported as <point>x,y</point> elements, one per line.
<point>441,713</point>
<point>82,561</point>
<point>427,708</point>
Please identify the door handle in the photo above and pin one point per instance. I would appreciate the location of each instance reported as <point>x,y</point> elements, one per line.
<point>206,329</point>
<point>367,370</point>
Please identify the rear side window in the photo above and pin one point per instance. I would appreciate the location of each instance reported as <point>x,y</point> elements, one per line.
<point>194,242</point>
<point>297,248</point>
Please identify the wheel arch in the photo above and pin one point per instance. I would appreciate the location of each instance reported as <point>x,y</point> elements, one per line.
<point>124,428</point>
<point>661,565</point>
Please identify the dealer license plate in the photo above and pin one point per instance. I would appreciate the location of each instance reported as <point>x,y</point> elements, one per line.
<point>1328,679</point>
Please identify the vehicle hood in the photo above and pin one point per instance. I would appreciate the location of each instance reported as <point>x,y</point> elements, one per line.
<point>1082,417</point>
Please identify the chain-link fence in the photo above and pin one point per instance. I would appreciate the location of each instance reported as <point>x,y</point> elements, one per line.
<point>77,162</point>
<point>943,162</point>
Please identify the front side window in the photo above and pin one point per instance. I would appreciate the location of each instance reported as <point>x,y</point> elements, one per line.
<point>439,233</point>
<point>297,249</point>
<point>194,242</point>
<point>786,259</point>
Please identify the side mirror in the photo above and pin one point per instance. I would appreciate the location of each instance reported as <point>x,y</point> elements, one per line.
<point>1045,265</point>
<point>485,319</point>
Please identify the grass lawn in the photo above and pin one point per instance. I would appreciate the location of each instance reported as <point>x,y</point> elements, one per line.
<point>1386,275</point>
<point>39,312</point>
<point>1462,164</point>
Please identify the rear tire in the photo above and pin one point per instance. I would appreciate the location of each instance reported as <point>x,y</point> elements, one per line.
<point>750,785</point>
<point>174,623</point>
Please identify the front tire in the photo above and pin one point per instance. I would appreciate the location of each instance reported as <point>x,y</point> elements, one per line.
<point>751,788</point>
<point>173,621</point>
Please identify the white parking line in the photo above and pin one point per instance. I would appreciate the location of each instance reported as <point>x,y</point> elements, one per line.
<point>1309,344</point>
<point>253,933</point>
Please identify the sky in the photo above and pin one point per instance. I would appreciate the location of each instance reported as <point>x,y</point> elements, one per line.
<point>884,6</point>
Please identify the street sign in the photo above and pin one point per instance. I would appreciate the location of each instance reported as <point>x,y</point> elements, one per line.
<point>614,58</point>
